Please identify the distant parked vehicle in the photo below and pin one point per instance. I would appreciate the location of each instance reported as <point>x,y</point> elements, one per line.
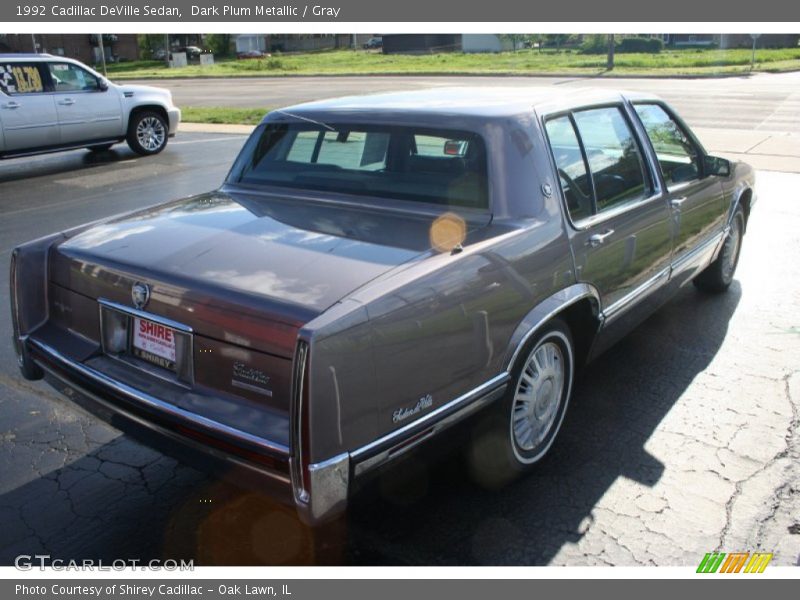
<point>51,103</point>
<point>192,52</point>
<point>252,54</point>
<point>374,43</point>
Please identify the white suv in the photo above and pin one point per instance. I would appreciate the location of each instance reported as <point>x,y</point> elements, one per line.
<point>50,103</point>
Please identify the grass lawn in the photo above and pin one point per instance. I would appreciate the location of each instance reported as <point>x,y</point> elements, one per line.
<point>698,62</point>
<point>219,114</point>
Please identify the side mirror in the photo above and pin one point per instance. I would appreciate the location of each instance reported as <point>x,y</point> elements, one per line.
<point>102,84</point>
<point>714,165</point>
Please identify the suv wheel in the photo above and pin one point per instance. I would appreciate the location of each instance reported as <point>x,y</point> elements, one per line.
<point>147,132</point>
<point>524,424</point>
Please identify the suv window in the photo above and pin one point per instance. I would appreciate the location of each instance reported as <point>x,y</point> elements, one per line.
<point>71,78</point>
<point>20,78</point>
<point>572,172</point>
<point>614,158</point>
<point>678,157</point>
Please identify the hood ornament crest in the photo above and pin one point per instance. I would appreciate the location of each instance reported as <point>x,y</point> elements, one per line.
<point>140,294</point>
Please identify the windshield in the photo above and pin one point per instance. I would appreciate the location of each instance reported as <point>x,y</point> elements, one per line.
<point>438,166</point>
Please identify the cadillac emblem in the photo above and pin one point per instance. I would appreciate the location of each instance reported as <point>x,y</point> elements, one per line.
<point>140,294</point>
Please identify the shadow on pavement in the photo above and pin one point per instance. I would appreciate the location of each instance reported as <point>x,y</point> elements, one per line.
<point>122,500</point>
<point>14,169</point>
<point>437,517</point>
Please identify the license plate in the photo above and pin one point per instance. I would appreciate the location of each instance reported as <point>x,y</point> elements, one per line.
<point>154,343</point>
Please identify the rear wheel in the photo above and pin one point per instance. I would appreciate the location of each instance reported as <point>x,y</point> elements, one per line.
<point>523,426</point>
<point>147,132</point>
<point>717,277</point>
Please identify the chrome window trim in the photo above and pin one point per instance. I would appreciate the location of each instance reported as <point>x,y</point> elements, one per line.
<point>653,170</point>
<point>143,399</point>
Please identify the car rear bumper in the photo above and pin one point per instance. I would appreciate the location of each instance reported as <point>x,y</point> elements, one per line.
<point>207,445</point>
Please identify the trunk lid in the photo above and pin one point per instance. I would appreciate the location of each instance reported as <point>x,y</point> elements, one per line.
<point>240,268</point>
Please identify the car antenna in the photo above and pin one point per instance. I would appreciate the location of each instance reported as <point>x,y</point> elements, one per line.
<point>294,116</point>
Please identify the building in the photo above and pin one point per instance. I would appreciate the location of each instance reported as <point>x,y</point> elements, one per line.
<point>485,42</point>
<point>425,43</point>
<point>432,43</point>
<point>83,47</point>
<point>732,40</point>
<point>272,42</point>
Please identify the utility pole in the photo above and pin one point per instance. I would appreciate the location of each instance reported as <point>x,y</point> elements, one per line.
<point>610,59</point>
<point>33,41</point>
<point>166,49</point>
<point>102,53</point>
<point>755,37</point>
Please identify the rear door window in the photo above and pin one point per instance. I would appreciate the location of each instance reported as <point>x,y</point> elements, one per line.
<point>72,78</point>
<point>615,160</point>
<point>573,174</point>
<point>20,78</point>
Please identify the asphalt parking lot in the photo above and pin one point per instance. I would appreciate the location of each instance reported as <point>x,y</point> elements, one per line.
<point>681,440</point>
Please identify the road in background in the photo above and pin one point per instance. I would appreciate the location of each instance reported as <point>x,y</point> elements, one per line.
<point>767,102</point>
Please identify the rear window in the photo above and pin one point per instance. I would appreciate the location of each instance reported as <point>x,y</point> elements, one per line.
<point>436,166</point>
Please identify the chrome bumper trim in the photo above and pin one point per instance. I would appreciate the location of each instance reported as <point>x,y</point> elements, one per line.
<point>142,399</point>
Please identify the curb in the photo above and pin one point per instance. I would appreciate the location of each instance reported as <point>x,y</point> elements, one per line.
<point>598,75</point>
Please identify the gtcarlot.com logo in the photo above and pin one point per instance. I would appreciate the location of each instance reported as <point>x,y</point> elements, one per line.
<point>26,562</point>
<point>734,562</point>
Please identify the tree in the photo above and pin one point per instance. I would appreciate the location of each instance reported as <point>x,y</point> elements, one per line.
<point>557,39</point>
<point>610,59</point>
<point>218,43</point>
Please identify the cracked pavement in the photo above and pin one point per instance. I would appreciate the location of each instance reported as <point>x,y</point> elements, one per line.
<point>681,440</point>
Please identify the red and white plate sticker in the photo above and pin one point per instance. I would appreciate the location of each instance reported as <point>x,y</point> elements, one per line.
<point>154,338</point>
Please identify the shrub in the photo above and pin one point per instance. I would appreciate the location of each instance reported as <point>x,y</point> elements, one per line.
<point>598,44</point>
<point>640,44</point>
<point>594,44</point>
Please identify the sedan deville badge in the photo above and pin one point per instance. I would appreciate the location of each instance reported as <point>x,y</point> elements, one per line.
<point>401,414</point>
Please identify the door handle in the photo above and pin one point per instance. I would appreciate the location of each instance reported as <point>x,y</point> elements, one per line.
<point>11,104</point>
<point>599,238</point>
<point>676,203</point>
<point>66,102</point>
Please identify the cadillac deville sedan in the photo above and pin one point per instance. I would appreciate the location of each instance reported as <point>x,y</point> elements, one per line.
<point>376,269</point>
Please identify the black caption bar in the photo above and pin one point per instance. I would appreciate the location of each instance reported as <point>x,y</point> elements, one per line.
<point>441,11</point>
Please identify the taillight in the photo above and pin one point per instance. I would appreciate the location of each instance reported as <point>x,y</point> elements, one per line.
<point>300,424</point>
<point>12,279</point>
